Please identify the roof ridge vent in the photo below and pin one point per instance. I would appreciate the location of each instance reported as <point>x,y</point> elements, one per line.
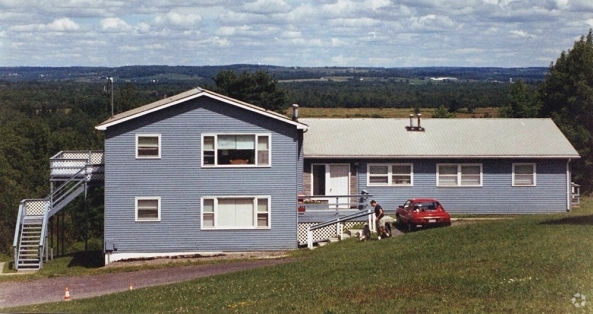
<point>411,127</point>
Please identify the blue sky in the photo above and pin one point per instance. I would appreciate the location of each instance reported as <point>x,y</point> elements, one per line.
<point>379,33</point>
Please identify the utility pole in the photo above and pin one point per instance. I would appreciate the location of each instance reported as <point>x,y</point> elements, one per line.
<point>110,82</point>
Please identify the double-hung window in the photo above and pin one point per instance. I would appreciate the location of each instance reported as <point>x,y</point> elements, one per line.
<point>459,175</point>
<point>236,149</point>
<point>148,209</point>
<point>524,174</point>
<point>148,146</point>
<point>251,212</point>
<point>390,174</point>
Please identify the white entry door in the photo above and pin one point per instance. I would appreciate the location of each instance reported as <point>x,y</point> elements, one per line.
<point>338,183</point>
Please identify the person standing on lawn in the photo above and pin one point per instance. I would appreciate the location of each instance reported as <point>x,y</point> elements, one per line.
<point>379,220</point>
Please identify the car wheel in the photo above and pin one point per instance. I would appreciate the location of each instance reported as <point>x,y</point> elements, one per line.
<point>401,224</point>
<point>411,226</point>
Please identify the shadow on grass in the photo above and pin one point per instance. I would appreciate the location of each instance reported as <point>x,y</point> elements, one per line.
<point>580,220</point>
<point>90,259</point>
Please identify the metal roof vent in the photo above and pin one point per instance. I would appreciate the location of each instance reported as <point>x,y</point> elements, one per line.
<point>295,112</point>
<point>411,127</point>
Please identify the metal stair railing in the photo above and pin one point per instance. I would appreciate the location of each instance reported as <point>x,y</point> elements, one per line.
<point>337,221</point>
<point>43,236</point>
<point>67,191</point>
<point>17,231</point>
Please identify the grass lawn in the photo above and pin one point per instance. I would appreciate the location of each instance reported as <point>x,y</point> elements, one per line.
<point>527,264</point>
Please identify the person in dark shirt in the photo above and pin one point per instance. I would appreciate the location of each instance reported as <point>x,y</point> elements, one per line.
<point>379,220</point>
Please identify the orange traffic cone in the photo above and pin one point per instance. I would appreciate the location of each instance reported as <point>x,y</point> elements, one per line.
<point>66,295</point>
<point>131,287</point>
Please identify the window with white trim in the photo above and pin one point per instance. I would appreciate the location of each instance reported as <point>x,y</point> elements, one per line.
<point>236,150</point>
<point>242,212</point>
<point>459,175</point>
<point>390,174</point>
<point>524,174</point>
<point>148,209</point>
<point>148,146</point>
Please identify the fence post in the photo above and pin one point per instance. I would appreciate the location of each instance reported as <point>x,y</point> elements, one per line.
<point>309,238</point>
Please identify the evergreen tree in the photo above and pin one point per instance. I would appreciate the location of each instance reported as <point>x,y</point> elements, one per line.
<point>258,88</point>
<point>524,102</point>
<point>567,97</point>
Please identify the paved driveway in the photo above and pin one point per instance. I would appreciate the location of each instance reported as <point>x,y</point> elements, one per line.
<point>52,289</point>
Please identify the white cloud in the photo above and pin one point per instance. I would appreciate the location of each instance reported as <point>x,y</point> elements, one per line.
<point>63,25</point>
<point>520,33</point>
<point>266,6</point>
<point>342,60</point>
<point>291,34</point>
<point>59,25</point>
<point>143,27</point>
<point>115,24</point>
<point>179,19</point>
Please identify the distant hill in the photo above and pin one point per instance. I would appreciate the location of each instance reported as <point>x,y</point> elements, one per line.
<point>164,74</point>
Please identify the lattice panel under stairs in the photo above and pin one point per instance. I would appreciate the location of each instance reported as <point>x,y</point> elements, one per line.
<point>35,207</point>
<point>321,233</point>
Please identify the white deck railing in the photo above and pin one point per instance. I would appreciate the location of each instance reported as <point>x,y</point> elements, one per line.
<point>65,164</point>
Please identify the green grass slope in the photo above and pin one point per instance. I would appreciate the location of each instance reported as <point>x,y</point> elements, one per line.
<point>528,264</point>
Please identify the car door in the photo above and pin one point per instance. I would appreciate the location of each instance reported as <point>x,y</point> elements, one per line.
<point>406,213</point>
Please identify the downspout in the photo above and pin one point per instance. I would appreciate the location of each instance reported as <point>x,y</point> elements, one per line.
<point>568,187</point>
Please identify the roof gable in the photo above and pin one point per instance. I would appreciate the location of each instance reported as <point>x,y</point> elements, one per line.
<point>441,138</point>
<point>189,95</point>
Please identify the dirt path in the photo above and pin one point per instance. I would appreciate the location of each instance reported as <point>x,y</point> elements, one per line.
<point>52,289</point>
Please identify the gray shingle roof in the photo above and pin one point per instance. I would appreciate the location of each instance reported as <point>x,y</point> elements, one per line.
<point>188,95</point>
<point>448,138</point>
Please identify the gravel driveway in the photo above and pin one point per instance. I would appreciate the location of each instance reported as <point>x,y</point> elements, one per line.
<point>52,289</point>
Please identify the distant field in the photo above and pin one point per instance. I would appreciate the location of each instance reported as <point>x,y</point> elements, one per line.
<point>305,112</point>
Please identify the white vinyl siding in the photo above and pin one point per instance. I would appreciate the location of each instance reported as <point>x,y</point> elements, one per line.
<point>462,175</point>
<point>524,174</point>
<point>148,146</point>
<point>236,150</point>
<point>390,175</point>
<point>241,212</point>
<point>148,209</point>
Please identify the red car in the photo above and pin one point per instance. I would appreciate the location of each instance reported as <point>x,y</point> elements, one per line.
<point>421,212</point>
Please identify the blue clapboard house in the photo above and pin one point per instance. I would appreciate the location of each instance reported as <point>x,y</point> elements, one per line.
<point>201,172</point>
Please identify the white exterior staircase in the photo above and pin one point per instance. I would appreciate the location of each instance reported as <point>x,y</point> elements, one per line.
<point>71,171</point>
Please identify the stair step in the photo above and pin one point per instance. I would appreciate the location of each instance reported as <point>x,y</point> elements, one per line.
<point>29,249</point>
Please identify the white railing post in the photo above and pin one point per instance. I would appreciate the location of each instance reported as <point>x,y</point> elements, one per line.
<point>372,222</point>
<point>309,238</point>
